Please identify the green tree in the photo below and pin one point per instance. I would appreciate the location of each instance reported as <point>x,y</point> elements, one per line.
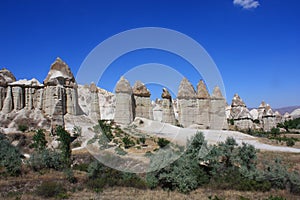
<point>10,157</point>
<point>65,145</point>
<point>39,140</point>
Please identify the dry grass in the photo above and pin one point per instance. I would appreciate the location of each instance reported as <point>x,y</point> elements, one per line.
<point>290,160</point>
<point>121,193</point>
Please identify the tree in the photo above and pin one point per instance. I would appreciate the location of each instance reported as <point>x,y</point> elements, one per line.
<point>10,157</point>
<point>39,140</point>
<point>65,145</point>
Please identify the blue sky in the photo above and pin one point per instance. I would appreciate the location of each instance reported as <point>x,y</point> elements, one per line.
<point>256,49</point>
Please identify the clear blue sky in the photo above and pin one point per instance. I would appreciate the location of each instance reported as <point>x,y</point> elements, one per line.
<point>256,50</point>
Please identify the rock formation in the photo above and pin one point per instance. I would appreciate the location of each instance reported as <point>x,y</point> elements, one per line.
<point>60,94</point>
<point>168,115</point>
<point>187,103</point>
<point>142,102</point>
<point>240,114</point>
<point>8,101</point>
<point>218,119</point>
<point>268,118</point>
<point>157,110</point>
<point>88,102</point>
<point>124,102</point>
<point>6,77</point>
<point>95,107</point>
<point>203,106</point>
<point>296,113</point>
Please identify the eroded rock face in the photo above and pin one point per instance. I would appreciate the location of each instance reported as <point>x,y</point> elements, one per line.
<point>142,102</point>
<point>139,89</point>
<point>6,77</point>
<point>60,93</point>
<point>166,94</point>
<point>218,119</point>
<point>268,118</point>
<point>203,106</point>
<point>124,102</point>
<point>168,115</point>
<point>202,92</point>
<point>187,104</point>
<point>8,101</point>
<point>186,90</point>
<point>95,107</point>
<point>59,72</point>
<point>18,97</point>
<point>88,102</point>
<point>240,114</point>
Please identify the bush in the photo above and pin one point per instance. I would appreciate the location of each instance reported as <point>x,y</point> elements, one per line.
<point>275,131</point>
<point>39,140</point>
<point>81,167</point>
<point>290,142</point>
<point>101,176</point>
<point>77,130</point>
<point>70,175</point>
<point>46,159</point>
<point>120,151</point>
<point>65,145</point>
<point>22,128</point>
<point>106,129</point>
<point>151,180</point>
<point>143,140</point>
<point>127,142</point>
<point>51,189</point>
<point>162,142</point>
<point>10,157</point>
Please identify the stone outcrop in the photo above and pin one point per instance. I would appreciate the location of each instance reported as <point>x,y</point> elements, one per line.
<point>158,111</point>
<point>60,93</point>
<point>218,119</point>
<point>8,101</point>
<point>187,104</point>
<point>89,106</point>
<point>6,77</point>
<point>124,102</point>
<point>203,106</point>
<point>268,118</point>
<point>240,114</point>
<point>142,102</point>
<point>168,115</point>
<point>95,107</point>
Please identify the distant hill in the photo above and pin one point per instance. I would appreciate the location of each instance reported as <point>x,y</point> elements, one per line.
<point>288,109</point>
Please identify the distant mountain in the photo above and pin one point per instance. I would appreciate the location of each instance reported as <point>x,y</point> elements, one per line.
<point>288,109</point>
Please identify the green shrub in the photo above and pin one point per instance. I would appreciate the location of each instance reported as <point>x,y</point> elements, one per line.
<point>81,167</point>
<point>46,159</point>
<point>39,140</point>
<point>10,157</point>
<point>77,130</point>
<point>22,128</point>
<point>151,180</point>
<point>96,185</point>
<point>290,142</point>
<point>275,131</point>
<point>120,151</point>
<point>70,175</point>
<point>65,145</point>
<point>143,140</point>
<point>106,129</point>
<point>51,189</point>
<point>162,142</point>
<point>127,142</point>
